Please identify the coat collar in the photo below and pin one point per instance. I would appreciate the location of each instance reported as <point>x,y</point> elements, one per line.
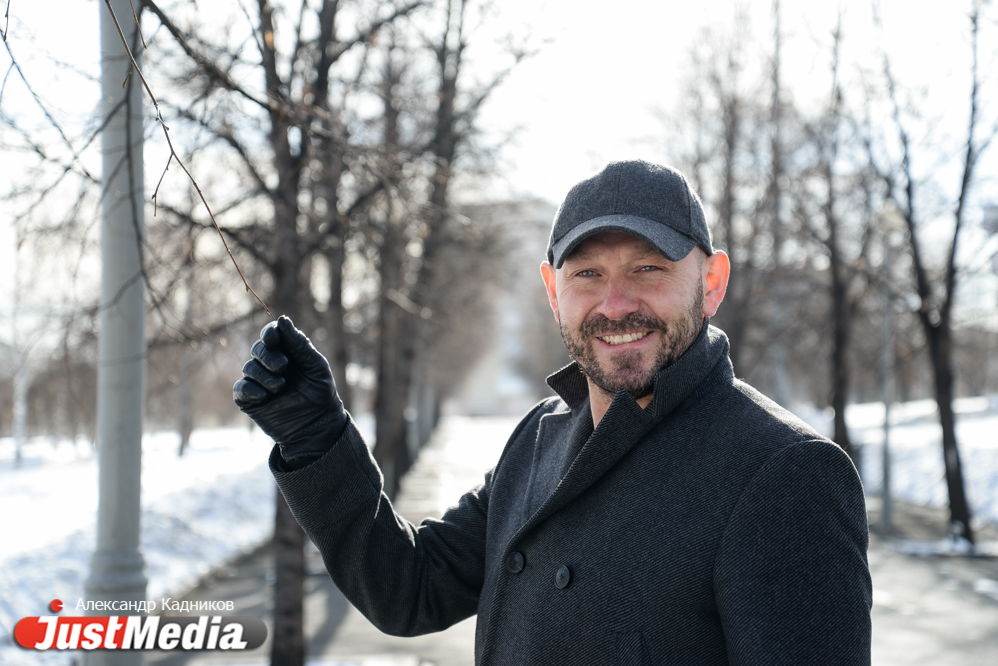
<point>699,369</point>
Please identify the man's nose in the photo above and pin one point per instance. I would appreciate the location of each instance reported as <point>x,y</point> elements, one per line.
<point>618,301</point>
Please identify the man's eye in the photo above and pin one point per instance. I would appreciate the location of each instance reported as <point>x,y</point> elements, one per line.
<point>649,268</point>
<point>587,272</point>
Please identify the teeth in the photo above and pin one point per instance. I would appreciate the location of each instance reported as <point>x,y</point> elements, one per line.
<point>621,339</point>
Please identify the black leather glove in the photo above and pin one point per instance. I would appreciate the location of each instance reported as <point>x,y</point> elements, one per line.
<point>288,390</point>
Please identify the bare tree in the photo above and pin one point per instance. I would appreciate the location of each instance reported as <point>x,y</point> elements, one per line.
<point>937,295</point>
<point>423,241</point>
<point>737,158</point>
<point>846,288</point>
<point>329,179</point>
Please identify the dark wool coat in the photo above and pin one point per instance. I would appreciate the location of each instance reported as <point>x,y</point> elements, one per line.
<point>712,527</point>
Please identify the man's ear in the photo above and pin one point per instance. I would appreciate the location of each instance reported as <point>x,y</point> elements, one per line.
<point>547,274</point>
<point>716,270</point>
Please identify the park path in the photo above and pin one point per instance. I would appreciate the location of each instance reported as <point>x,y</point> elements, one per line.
<point>927,610</point>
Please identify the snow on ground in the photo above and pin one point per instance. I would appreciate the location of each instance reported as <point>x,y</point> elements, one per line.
<point>198,512</point>
<point>217,501</point>
<point>917,472</point>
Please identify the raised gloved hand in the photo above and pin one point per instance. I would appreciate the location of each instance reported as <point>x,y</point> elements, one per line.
<point>288,389</point>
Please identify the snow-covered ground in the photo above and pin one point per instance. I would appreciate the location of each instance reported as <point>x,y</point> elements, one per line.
<point>198,511</point>
<point>916,453</point>
<point>217,501</point>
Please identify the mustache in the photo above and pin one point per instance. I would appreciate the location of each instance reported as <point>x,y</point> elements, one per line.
<point>600,325</point>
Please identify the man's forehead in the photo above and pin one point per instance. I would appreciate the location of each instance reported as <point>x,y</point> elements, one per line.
<point>600,242</point>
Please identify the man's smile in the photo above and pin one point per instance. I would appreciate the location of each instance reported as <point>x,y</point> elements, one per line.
<point>614,340</point>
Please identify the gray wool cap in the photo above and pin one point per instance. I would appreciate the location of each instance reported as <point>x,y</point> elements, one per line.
<point>653,202</point>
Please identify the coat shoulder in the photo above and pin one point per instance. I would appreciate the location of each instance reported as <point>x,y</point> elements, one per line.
<point>759,418</point>
<point>748,429</point>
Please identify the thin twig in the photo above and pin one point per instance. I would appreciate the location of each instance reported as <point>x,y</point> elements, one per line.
<point>138,26</point>
<point>174,155</point>
<point>4,86</point>
<point>38,101</point>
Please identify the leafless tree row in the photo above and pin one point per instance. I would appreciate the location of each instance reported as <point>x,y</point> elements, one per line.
<point>328,137</point>
<point>812,203</point>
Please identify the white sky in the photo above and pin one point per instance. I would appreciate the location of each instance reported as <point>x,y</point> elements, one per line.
<point>589,96</point>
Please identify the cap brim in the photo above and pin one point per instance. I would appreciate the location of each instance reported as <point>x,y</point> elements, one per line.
<point>673,245</point>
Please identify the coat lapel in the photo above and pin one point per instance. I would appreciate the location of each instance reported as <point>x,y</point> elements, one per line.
<point>624,423</point>
<point>550,436</point>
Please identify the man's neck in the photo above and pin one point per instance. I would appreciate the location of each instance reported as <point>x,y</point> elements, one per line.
<point>599,401</point>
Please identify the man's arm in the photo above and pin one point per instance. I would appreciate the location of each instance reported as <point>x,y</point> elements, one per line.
<point>791,579</point>
<point>406,579</point>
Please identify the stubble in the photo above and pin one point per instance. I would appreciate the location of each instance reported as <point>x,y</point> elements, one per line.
<point>626,369</point>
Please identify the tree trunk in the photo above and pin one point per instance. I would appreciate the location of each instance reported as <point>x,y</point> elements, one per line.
<point>841,325</point>
<point>841,306</point>
<point>941,352</point>
<point>288,645</point>
<point>732,317</point>
<point>185,407</point>
<point>336,344</point>
<point>781,382</point>
<point>394,366</point>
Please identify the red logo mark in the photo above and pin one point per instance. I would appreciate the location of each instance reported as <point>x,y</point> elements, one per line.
<point>56,605</point>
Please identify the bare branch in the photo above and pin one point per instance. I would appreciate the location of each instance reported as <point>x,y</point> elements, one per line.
<point>226,134</point>
<point>365,36</point>
<point>243,237</point>
<point>213,70</point>
<point>138,26</point>
<point>971,156</point>
<point>298,40</point>
<point>249,20</point>
<point>4,85</point>
<point>38,101</point>
<point>269,56</point>
<point>174,155</point>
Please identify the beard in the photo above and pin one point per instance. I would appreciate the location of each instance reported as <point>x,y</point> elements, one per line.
<point>626,370</point>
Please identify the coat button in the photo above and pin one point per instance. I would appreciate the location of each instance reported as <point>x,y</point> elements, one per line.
<point>561,577</point>
<point>514,563</point>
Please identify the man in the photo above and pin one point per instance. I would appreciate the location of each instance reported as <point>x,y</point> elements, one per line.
<point>658,512</point>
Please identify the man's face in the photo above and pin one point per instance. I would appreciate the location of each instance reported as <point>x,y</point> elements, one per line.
<point>625,310</point>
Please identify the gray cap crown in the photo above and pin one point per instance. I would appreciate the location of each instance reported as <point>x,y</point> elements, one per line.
<point>652,202</point>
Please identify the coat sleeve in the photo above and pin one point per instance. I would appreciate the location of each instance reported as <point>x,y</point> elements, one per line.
<point>406,579</point>
<point>791,579</point>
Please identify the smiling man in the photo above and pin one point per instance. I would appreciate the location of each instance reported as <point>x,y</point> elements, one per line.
<point>626,311</point>
<point>658,511</point>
